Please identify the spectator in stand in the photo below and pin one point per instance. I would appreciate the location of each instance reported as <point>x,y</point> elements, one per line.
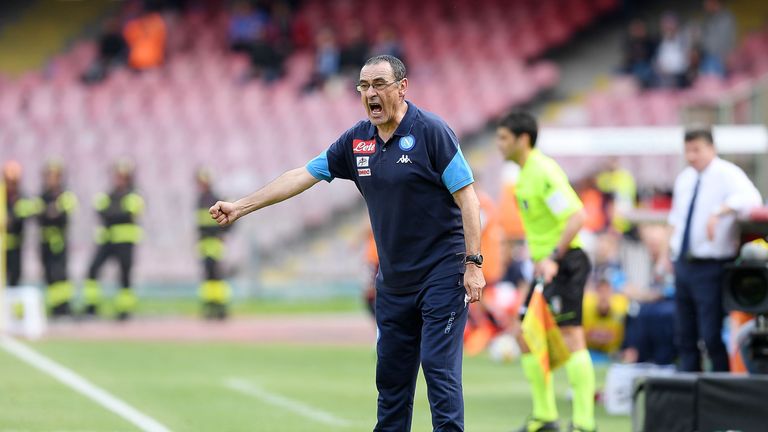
<point>510,213</point>
<point>651,320</point>
<point>356,49</point>
<point>516,279</point>
<point>607,264</point>
<point>254,31</point>
<point>709,194</point>
<point>266,62</point>
<point>620,189</point>
<point>327,60</point>
<point>387,43</point>
<point>246,26</point>
<point>519,270</point>
<point>282,29</point>
<point>695,64</point>
<point>718,38</point>
<point>671,61</point>
<point>112,53</point>
<point>301,30</point>
<point>638,53</point>
<point>604,314</point>
<point>595,204</point>
<point>146,37</point>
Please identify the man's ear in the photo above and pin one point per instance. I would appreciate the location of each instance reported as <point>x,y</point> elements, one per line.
<point>403,88</point>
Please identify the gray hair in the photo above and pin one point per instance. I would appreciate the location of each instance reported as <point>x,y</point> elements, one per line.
<point>398,68</point>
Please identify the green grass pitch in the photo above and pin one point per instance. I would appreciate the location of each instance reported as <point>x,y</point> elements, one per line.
<point>185,387</point>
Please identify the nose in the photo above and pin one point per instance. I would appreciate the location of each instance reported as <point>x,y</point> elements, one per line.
<point>370,92</point>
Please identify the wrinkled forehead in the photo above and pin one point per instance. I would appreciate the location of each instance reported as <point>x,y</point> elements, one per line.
<point>381,70</point>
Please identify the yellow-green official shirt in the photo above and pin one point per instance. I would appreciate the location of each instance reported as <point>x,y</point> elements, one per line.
<point>546,201</point>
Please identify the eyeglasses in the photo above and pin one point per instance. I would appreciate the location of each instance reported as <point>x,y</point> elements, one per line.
<point>378,86</point>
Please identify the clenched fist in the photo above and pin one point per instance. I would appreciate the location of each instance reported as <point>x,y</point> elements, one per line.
<point>225,212</point>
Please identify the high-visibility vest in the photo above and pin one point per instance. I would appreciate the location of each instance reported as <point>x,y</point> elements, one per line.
<point>119,212</point>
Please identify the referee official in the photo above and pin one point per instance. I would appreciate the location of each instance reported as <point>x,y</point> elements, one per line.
<point>552,216</point>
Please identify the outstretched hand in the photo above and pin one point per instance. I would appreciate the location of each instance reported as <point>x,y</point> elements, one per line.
<point>224,213</point>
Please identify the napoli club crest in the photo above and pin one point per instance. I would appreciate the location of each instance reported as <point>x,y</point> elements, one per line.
<point>407,143</point>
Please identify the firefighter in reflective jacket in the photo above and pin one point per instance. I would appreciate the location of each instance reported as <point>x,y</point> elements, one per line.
<point>18,210</point>
<point>119,212</point>
<point>215,293</point>
<point>54,209</point>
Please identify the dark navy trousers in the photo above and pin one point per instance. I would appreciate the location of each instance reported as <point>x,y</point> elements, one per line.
<point>427,327</point>
<point>700,313</point>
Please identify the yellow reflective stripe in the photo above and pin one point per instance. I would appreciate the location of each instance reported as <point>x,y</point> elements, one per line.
<point>37,205</point>
<point>54,236</point>
<point>92,292</point>
<point>101,201</point>
<point>24,208</point>
<point>204,218</point>
<point>125,233</point>
<point>126,300</point>
<point>67,202</point>
<point>102,235</point>
<point>215,291</point>
<point>59,293</point>
<point>133,203</point>
<point>211,247</point>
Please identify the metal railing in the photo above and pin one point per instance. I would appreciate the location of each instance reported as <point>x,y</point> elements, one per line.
<point>748,105</point>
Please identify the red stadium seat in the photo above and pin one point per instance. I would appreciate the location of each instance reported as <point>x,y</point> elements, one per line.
<point>466,55</point>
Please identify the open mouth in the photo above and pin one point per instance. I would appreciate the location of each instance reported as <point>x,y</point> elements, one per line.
<point>375,108</point>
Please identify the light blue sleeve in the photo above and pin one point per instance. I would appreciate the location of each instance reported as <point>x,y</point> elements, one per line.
<point>318,167</point>
<point>457,174</point>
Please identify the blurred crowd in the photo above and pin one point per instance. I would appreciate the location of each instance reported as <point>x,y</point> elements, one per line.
<point>269,31</point>
<point>677,53</point>
<point>266,32</point>
<point>135,39</point>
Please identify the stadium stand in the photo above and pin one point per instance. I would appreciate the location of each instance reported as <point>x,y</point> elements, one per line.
<point>192,111</point>
<point>620,100</point>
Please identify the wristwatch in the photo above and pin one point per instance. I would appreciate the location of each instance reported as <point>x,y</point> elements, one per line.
<point>474,259</point>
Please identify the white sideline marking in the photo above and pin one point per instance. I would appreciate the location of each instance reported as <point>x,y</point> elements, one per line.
<point>81,385</point>
<point>314,414</point>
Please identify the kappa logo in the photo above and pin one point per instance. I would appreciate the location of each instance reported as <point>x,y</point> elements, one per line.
<point>363,147</point>
<point>404,159</point>
<point>363,161</point>
<point>363,172</point>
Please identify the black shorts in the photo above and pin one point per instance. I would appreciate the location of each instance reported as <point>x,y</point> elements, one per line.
<point>565,293</point>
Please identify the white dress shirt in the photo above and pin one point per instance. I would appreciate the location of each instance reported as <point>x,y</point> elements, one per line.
<point>722,183</point>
